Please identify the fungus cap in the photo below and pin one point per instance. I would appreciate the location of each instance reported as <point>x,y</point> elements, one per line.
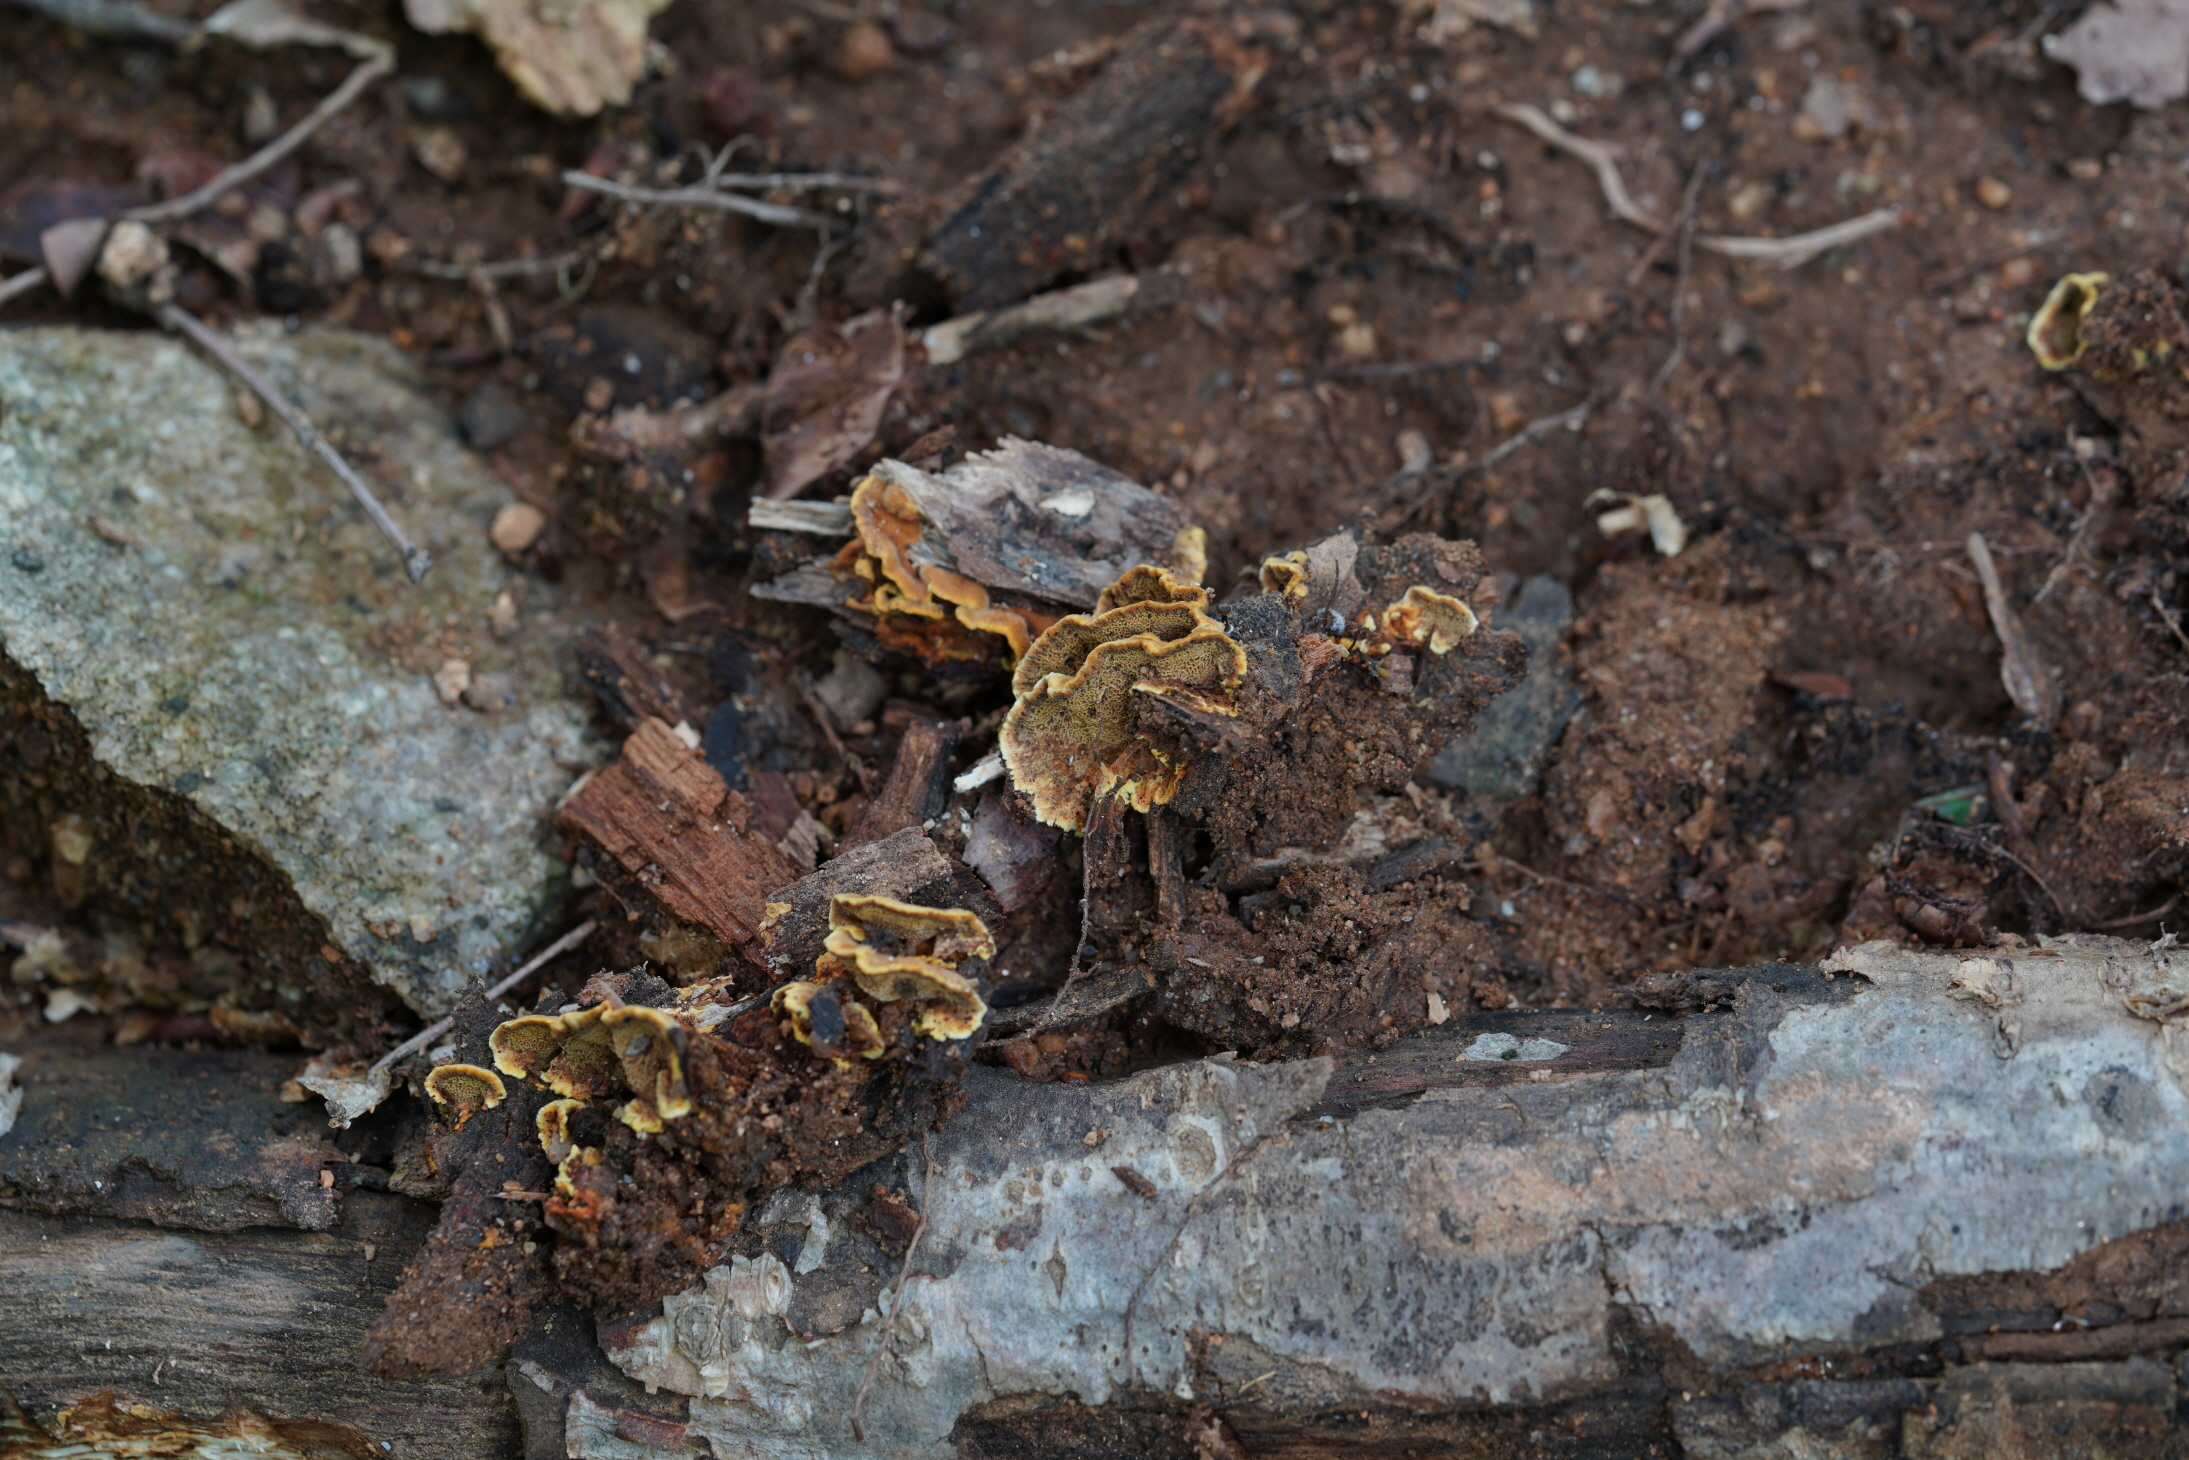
<point>523,1046</point>
<point>1071,734</point>
<point>586,1065</point>
<point>1425,616</point>
<point>465,1089</point>
<point>898,950</point>
<point>553,1124</point>
<point>822,1019</point>
<point>645,1041</point>
<point>2055,330</point>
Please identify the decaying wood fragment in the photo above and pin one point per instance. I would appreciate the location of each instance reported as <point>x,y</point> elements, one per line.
<point>671,823</point>
<point>173,1137</point>
<point>1836,1198</point>
<point>1061,201</point>
<point>198,1324</point>
<point>629,689</point>
<point>918,784</point>
<point>962,568</point>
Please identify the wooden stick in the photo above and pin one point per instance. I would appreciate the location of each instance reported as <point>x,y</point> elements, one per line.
<point>700,197</point>
<point>531,966</point>
<point>197,199</point>
<point>416,560</point>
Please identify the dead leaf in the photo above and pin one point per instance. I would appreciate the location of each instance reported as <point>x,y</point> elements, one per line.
<point>70,249</point>
<point>2134,50</point>
<point>31,207</point>
<point>571,58</point>
<point>826,396</point>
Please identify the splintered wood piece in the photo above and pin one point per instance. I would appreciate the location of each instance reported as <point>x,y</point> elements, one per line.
<point>1166,864</point>
<point>629,689</point>
<point>669,820</point>
<point>918,784</point>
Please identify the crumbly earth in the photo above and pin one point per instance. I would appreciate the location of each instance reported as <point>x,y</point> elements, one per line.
<point>1792,734</point>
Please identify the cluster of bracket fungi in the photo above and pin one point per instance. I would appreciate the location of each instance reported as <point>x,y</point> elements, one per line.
<point>1207,756</point>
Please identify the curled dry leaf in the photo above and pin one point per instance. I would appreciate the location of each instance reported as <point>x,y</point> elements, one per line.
<point>572,59</point>
<point>826,396</point>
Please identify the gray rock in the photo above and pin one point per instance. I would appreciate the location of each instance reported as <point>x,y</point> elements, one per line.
<point>1501,759</point>
<point>1791,1181</point>
<point>226,627</point>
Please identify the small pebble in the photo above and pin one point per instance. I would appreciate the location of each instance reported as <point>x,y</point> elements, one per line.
<point>441,152</point>
<point>865,51</point>
<point>490,694</point>
<point>27,561</point>
<point>1993,193</point>
<point>492,415</point>
<point>451,680</point>
<point>516,527</point>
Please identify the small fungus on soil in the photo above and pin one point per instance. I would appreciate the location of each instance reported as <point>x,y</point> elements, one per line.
<point>2055,330</point>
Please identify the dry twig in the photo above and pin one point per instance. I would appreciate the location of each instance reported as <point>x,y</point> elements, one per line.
<point>200,198</point>
<point>21,284</point>
<point>699,197</point>
<point>1573,419</point>
<point>896,1302</point>
<point>820,715</point>
<point>416,560</point>
<point>1787,253</point>
<point>531,966</point>
<point>2021,669</point>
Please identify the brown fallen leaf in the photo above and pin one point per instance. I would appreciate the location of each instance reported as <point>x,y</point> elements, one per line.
<point>826,396</point>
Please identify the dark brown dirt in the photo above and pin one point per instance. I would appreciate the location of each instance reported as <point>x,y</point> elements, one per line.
<point>1794,733</point>
<point>1372,251</point>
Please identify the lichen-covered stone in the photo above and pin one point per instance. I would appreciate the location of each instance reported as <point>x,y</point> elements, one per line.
<point>210,607</point>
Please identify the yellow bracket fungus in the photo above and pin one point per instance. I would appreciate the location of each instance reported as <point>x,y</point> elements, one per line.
<point>888,525</point>
<point>848,1030</point>
<point>523,1046</point>
<point>1287,575</point>
<point>1427,617</point>
<point>897,950</point>
<point>645,1043</point>
<point>2055,330</point>
<point>553,1122</point>
<point>465,1089</point>
<point>1072,734</point>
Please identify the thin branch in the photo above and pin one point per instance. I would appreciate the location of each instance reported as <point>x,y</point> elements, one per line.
<point>416,560</point>
<point>1686,230</point>
<point>896,1302</point>
<point>110,18</point>
<point>21,284</point>
<point>843,182</point>
<point>266,157</point>
<point>2152,916</point>
<point>500,269</point>
<point>699,197</point>
<point>531,966</point>
<point>1572,419</point>
<point>1787,253</point>
<point>1595,154</point>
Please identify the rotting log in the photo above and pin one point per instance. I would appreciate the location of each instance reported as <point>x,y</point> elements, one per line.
<point>1900,1205</point>
<point>199,1323</point>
